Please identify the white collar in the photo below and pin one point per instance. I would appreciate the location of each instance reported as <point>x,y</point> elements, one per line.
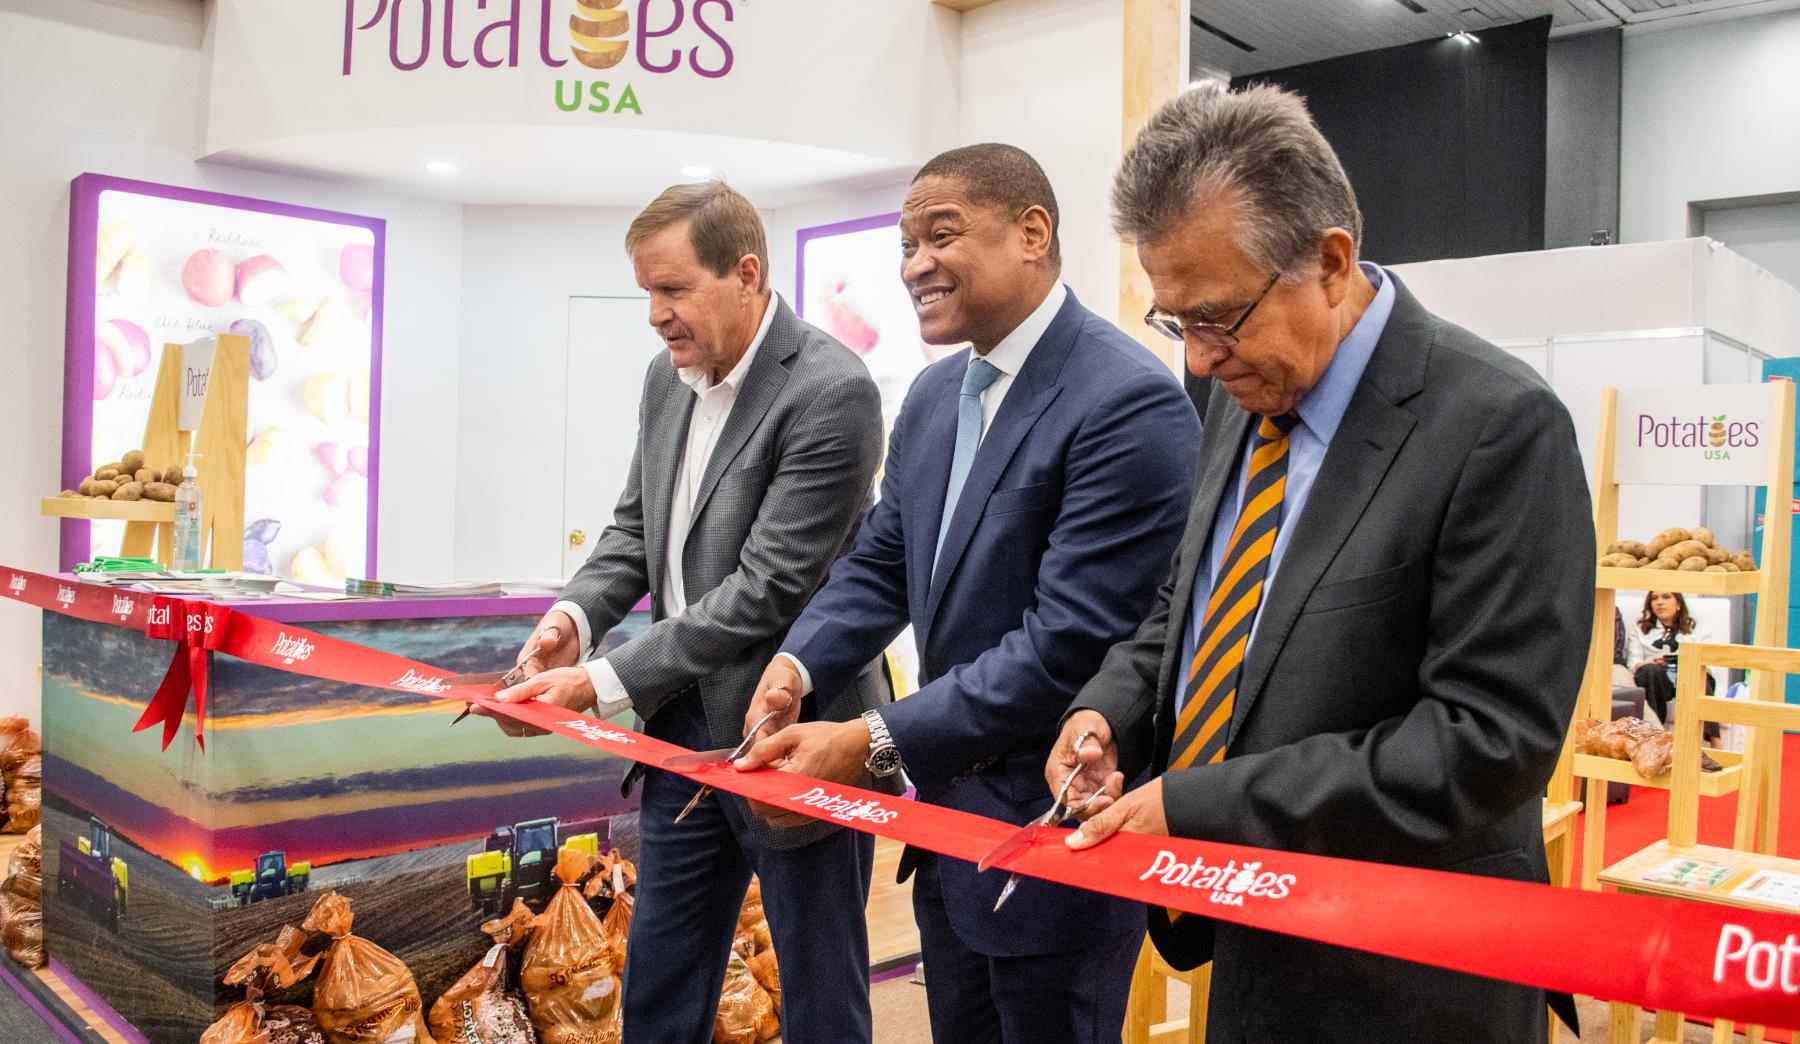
<point>700,379</point>
<point>1009,355</point>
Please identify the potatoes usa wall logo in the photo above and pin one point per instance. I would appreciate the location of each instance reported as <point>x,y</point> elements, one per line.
<point>1226,885</point>
<point>664,37</point>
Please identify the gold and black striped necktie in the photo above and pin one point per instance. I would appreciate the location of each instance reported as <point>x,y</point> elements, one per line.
<point>1210,693</point>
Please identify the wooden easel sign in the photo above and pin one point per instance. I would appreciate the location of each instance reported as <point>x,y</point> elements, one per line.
<point>1710,435</point>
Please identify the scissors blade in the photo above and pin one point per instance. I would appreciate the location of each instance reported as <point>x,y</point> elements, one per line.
<point>692,803</point>
<point>698,758</point>
<point>1011,846</point>
<point>490,678</point>
<point>1006,891</point>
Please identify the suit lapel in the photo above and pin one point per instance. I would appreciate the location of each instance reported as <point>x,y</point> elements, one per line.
<point>762,386</point>
<point>1032,392</point>
<point>1368,439</point>
<point>664,440</point>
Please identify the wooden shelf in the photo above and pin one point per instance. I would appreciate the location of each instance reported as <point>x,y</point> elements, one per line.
<point>1614,578</point>
<point>1628,874</point>
<point>1712,784</point>
<point>121,510</point>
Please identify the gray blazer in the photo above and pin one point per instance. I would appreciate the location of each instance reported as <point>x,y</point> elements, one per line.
<point>781,499</point>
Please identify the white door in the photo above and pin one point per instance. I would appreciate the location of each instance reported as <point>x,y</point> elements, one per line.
<point>610,343</point>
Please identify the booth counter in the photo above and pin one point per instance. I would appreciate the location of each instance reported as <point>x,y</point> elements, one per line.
<point>161,868</point>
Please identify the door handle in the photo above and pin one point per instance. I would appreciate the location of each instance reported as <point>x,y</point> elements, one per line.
<point>577,537</point>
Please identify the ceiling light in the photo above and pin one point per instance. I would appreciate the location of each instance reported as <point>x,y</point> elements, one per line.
<point>439,166</point>
<point>1464,37</point>
<point>694,170</point>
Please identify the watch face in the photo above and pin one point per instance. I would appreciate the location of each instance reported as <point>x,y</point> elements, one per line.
<point>885,762</point>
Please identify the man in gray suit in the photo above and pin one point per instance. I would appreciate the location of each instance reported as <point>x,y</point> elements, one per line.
<point>758,440</point>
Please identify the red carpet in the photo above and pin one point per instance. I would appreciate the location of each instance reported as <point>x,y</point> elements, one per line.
<point>1645,819</point>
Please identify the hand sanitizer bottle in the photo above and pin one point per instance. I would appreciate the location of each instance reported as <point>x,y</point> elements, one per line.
<point>187,519</point>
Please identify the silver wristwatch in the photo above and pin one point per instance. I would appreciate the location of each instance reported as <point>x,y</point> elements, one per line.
<point>884,757</point>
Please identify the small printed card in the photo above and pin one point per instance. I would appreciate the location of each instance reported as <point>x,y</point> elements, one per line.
<point>1772,887</point>
<point>1698,874</point>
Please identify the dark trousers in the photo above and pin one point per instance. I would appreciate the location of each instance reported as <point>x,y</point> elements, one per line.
<point>691,882</point>
<point>1659,693</point>
<point>1076,997</point>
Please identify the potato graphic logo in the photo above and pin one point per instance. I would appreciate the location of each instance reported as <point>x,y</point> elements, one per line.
<point>1716,433</point>
<point>592,27</point>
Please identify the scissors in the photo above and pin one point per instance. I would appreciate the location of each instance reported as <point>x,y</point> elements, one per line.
<point>501,679</point>
<point>714,757</point>
<point>1058,811</point>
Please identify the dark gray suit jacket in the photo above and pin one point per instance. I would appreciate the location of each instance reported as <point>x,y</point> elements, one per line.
<point>781,499</point>
<point>1414,672</point>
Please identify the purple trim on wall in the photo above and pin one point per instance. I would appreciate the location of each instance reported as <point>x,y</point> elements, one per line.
<point>807,235</point>
<point>78,336</point>
<point>100,1007</point>
<point>24,993</point>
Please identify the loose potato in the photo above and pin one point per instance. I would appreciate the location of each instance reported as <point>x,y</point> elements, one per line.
<point>172,476</point>
<point>143,475</point>
<point>129,491</point>
<point>1634,548</point>
<point>132,461</point>
<point>1692,564</point>
<point>68,493</point>
<point>1702,534</point>
<point>1661,563</point>
<point>1654,548</point>
<point>107,473</point>
<point>1616,560</point>
<point>1628,562</point>
<point>1645,561</point>
<point>1731,567</point>
<point>1744,561</point>
<point>1673,535</point>
<point>1683,550</point>
<point>87,486</point>
<point>103,488</point>
<point>159,491</point>
<point>1715,569</point>
<point>1716,555</point>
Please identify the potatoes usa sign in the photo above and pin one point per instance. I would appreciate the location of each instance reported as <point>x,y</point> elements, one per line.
<point>1710,435</point>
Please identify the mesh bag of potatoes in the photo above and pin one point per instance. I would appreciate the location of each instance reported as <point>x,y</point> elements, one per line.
<point>1692,550</point>
<point>268,967</point>
<point>18,747</point>
<point>365,995</point>
<point>22,903</point>
<point>482,1008</point>
<point>25,795</point>
<point>570,980</point>
<point>746,1011</point>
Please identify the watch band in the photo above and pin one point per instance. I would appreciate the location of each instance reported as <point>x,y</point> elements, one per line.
<point>884,757</point>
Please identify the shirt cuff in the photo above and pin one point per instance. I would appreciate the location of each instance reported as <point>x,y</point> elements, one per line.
<point>583,629</point>
<point>806,685</point>
<point>608,689</point>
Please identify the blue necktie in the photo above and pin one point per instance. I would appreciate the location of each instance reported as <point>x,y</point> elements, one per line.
<point>980,375</point>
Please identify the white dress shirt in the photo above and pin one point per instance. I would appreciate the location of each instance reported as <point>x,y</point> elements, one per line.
<point>711,411</point>
<point>1009,358</point>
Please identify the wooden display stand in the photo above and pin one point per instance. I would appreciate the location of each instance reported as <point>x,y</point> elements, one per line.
<point>1770,586</point>
<point>220,439</point>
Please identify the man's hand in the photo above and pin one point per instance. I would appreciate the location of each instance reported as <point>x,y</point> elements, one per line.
<point>1098,782</point>
<point>835,752</point>
<point>778,690</point>
<point>568,687</point>
<point>558,646</point>
<point>1140,812</point>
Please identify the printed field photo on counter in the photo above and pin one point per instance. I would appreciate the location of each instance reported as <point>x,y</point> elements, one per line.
<point>164,867</point>
<point>154,265</point>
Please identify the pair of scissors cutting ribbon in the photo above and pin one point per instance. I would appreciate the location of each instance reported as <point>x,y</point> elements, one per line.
<point>1058,811</point>
<point>501,679</point>
<point>714,757</point>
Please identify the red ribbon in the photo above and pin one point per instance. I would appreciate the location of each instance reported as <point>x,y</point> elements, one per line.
<point>197,628</point>
<point>1703,959</point>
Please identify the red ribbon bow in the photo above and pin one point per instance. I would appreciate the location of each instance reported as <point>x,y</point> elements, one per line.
<point>197,628</point>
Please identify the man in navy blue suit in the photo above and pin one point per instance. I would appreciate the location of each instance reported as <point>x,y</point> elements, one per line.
<point>1034,492</point>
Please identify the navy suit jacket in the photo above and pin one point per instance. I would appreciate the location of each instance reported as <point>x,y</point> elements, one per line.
<point>1066,525</point>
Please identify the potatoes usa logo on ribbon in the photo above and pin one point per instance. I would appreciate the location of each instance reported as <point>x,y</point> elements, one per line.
<point>1227,885</point>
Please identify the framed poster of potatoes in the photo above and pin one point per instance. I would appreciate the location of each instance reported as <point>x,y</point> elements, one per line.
<point>151,265</point>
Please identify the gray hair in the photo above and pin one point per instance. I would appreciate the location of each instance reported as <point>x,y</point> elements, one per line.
<point>1258,146</point>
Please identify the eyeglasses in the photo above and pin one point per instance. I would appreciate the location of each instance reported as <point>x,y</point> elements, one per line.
<point>1213,335</point>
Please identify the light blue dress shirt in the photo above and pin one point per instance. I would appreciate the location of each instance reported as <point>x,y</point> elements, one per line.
<point>1320,413</point>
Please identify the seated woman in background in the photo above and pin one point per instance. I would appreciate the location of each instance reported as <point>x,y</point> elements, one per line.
<point>1653,649</point>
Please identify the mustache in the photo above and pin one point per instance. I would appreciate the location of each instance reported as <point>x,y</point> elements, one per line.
<point>673,331</point>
